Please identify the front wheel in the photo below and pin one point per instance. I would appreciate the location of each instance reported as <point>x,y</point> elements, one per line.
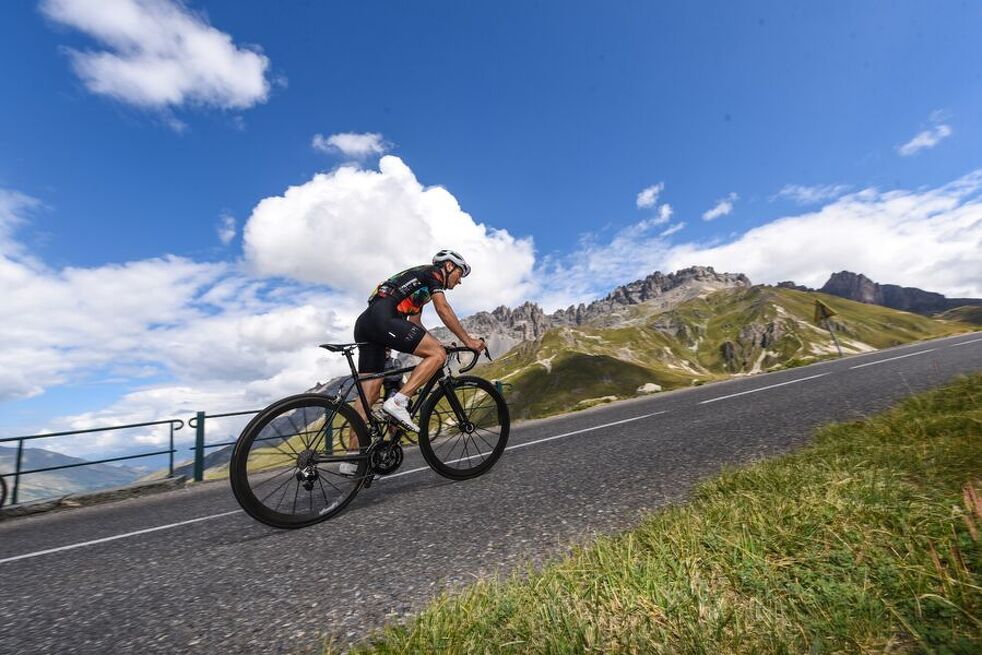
<point>286,465</point>
<point>465,446</point>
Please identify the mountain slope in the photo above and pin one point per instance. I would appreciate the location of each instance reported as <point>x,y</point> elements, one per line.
<point>734,331</point>
<point>63,481</point>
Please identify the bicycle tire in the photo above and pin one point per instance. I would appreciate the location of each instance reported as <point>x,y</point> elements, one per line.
<point>3,491</point>
<point>254,463</point>
<point>437,422</point>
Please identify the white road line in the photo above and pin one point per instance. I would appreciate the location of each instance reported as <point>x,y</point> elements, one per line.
<point>215,516</point>
<point>530,443</point>
<point>955,345</point>
<point>890,359</point>
<point>113,538</point>
<point>770,386</point>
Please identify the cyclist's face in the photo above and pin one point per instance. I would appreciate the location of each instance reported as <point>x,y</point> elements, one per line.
<point>453,278</point>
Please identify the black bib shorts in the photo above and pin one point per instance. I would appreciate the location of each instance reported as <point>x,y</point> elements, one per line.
<point>383,326</point>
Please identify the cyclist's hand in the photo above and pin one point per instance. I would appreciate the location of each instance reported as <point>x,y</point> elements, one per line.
<point>477,345</point>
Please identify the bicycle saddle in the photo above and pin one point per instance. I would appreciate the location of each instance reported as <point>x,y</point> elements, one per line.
<point>339,347</point>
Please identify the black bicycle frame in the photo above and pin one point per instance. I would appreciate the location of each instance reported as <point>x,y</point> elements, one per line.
<point>439,378</point>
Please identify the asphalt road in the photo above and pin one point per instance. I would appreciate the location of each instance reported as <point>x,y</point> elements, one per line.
<point>187,572</point>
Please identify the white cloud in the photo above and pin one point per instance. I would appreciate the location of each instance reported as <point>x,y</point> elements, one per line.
<point>929,138</point>
<point>595,267</point>
<point>351,144</point>
<point>665,213</point>
<point>649,196</point>
<point>14,208</point>
<point>226,228</point>
<point>184,335</point>
<point>352,228</point>
<point>672,230</point>
<point>929,239</point>
<point>159,54</point>
<point>722,207</point>
<point>810,195</point>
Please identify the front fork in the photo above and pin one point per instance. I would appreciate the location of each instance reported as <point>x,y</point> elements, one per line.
<point>447,384</point>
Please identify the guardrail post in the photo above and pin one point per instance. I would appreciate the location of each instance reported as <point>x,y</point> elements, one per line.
<point>170,466</point>
<point>199,448</point>
<point>20,456</point>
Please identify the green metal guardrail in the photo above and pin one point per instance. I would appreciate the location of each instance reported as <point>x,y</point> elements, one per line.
<point>175,424</point>
<point>199,448</point>
<point>198,423</point>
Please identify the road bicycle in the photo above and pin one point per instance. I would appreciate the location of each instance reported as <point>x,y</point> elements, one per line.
<point>285,466</point>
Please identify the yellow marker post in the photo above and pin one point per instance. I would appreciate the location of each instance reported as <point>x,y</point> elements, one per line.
<point>822,315</point>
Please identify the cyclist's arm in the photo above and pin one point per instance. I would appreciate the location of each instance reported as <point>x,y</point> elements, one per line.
<point>416,318</point>
<point>449,318</point>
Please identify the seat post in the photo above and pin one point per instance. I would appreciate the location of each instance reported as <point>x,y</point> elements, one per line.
<point>351,361</point>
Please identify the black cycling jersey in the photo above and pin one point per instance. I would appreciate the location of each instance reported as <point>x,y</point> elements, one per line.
<point>412,288</point>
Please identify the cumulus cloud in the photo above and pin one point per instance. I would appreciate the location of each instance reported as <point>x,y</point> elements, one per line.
<point>226,228</point>
<point>665,213</point>
<point>351,228</point>
<point>159,54</point>
<point>723,207</point>
<point>810,195</point>
<point>351,144</point>
<point>184,335</point>
<point>649,196</point>
<point>929,239</point>
<point>929,138</point>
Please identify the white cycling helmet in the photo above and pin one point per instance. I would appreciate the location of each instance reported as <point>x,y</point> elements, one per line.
<point>451,256</point>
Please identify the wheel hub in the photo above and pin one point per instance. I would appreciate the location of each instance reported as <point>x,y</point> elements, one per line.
<point>307,469</point>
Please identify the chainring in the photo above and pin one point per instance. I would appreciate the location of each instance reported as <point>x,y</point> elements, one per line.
<point>387,458</point>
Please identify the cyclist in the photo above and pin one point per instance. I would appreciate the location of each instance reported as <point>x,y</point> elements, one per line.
<point>393,319</point>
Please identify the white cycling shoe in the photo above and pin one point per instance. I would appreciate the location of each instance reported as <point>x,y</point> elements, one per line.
<point>399,413</point>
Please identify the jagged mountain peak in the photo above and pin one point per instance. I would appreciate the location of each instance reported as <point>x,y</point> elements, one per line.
<point>506,327</point>
<point>856,286</point>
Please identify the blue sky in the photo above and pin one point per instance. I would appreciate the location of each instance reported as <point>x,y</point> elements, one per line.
<point>522,131</point>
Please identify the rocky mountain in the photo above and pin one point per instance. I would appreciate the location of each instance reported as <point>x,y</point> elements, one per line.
<point>505,328</point>
<point>62,481</point>
<point>858,287</point>
<point>733,331</point>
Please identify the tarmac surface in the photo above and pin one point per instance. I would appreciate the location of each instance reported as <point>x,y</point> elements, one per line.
<point>188,572</point>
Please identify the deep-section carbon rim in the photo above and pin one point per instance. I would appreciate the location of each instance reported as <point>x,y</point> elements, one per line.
<point>464,449</point>
<point>277,472</point>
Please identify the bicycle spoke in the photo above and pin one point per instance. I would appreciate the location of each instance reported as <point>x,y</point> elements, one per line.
<point>490,447</point>
<point>263,499</point>
<point>286,440</point>
<point>320,482</point>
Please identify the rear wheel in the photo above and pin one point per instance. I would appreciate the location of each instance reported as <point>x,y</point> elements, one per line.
<point>464,447</point>
<point>277,470</point>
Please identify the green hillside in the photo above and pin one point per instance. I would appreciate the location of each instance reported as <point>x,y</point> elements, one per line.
<point>970,314</point>
<point>730,332</point>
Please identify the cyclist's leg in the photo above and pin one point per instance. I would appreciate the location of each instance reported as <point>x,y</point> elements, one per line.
<point>371,359</point>
<point>434,357</point>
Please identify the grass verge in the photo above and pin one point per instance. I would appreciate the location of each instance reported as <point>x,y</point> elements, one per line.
<point>866,541</point>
